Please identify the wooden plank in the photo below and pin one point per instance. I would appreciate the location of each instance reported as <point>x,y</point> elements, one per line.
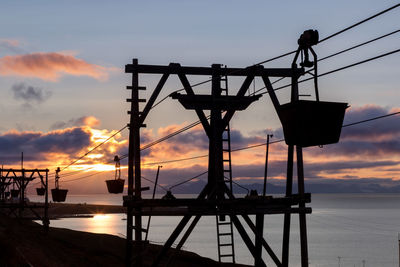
<point>162,69</point>
<point>24,170</point>
<point>208,102</point>
<point>182,211</point>
<point>251,202</point>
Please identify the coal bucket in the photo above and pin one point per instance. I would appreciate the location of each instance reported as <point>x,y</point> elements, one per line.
<point>14,192</point>
<point>40,191</point>
<point>115,186</point>
<point>312,123</point>
<point>59,195</point>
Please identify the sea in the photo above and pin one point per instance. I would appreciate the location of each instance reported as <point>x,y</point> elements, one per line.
<point>343,230</point>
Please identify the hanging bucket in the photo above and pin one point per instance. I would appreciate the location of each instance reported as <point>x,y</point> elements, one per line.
<point>115,186</point>
<point>59,195</point>
<point>40,191</point>
<point>14,192</point>
<point>312,123</point>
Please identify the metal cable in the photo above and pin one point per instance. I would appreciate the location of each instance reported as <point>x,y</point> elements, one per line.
<point>359,45</point>
<point>90,151</point>
<point>294,51</point>
<point>359,23</point>
<point>335,70</point>
<point>188,180</point>
<point>248,147</point>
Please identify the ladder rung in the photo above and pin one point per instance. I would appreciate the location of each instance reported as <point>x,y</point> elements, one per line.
<point>226,160</point>
<point>226,150</point>
<point>224,234</point>
<point>227,170</point>
<point>225,245</point>
<point>225,140</point>
<point>223,223</point>
<point>226,255</point>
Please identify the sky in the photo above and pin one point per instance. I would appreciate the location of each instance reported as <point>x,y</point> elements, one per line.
<point>62,85</point>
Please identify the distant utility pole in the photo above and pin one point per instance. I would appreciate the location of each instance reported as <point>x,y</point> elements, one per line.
<point>266,165</point>
<point>339,260</point>
<point>398,237</point>
<point>363,263</point>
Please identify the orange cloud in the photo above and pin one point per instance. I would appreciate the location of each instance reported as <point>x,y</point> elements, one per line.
<point>49,66</point>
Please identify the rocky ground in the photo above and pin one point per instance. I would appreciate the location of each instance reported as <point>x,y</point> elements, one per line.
<point>25,243</point>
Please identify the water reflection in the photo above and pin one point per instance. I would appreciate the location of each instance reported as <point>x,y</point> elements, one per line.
<point>100,223</point>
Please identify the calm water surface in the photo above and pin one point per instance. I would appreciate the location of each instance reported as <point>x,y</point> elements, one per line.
<point>354,227</point>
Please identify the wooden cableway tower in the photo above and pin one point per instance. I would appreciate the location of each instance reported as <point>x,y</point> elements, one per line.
<point>217,199</point>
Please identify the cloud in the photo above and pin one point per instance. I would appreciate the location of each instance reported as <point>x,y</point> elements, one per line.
<point>41,146</point>
<point>11,45</point>
<point>379,137</point>
<point>49,66</point>
<point>29,93</point>
<point>384,128</point>
<point>90,121</point>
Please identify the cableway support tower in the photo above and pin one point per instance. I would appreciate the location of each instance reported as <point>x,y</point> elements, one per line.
<point>217,198</point>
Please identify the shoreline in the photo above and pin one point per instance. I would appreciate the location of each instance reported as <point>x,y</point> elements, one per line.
<point>25,243</point>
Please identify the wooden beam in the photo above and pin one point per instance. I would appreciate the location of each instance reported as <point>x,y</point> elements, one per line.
<point>199,112</point>
<point>246,239</point>
<point>153,97</point>
<point>162,69</point>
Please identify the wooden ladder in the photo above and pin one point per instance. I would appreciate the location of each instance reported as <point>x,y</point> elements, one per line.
<point>225,240</point>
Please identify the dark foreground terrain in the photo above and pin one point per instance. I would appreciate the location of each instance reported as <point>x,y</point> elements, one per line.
<point>24,243</point>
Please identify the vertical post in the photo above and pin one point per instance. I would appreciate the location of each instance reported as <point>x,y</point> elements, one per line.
<point>398,237</point>
<point>302,214</point>
<point>295,87</point>
<point>260,217</point>
<point>215,161</point>
<point>134,172</point>
<point>154,194</point>
<point>287,218</point>
<point>258,241</point>
<point>46,203</point>
<point>266,165</point>
<point>21,192</point>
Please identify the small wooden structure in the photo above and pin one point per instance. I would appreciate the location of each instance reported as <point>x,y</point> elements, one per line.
<point>14,202</point>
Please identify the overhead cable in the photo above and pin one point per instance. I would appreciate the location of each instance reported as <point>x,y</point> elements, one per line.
<point>359,23</point>
<point>93,149</point>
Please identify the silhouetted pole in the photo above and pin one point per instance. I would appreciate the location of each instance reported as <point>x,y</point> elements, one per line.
<point>339,261</point>
<point>134,172</point>
<point>154,194</point>
<point>266,165</point>
<point>260,217</point>
<point>287,217</point>
<point>398,237</point>
<point>46,200</point>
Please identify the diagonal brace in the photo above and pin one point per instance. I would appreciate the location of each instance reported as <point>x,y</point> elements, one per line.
<point>245,237</point>
<point>153,98</point>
